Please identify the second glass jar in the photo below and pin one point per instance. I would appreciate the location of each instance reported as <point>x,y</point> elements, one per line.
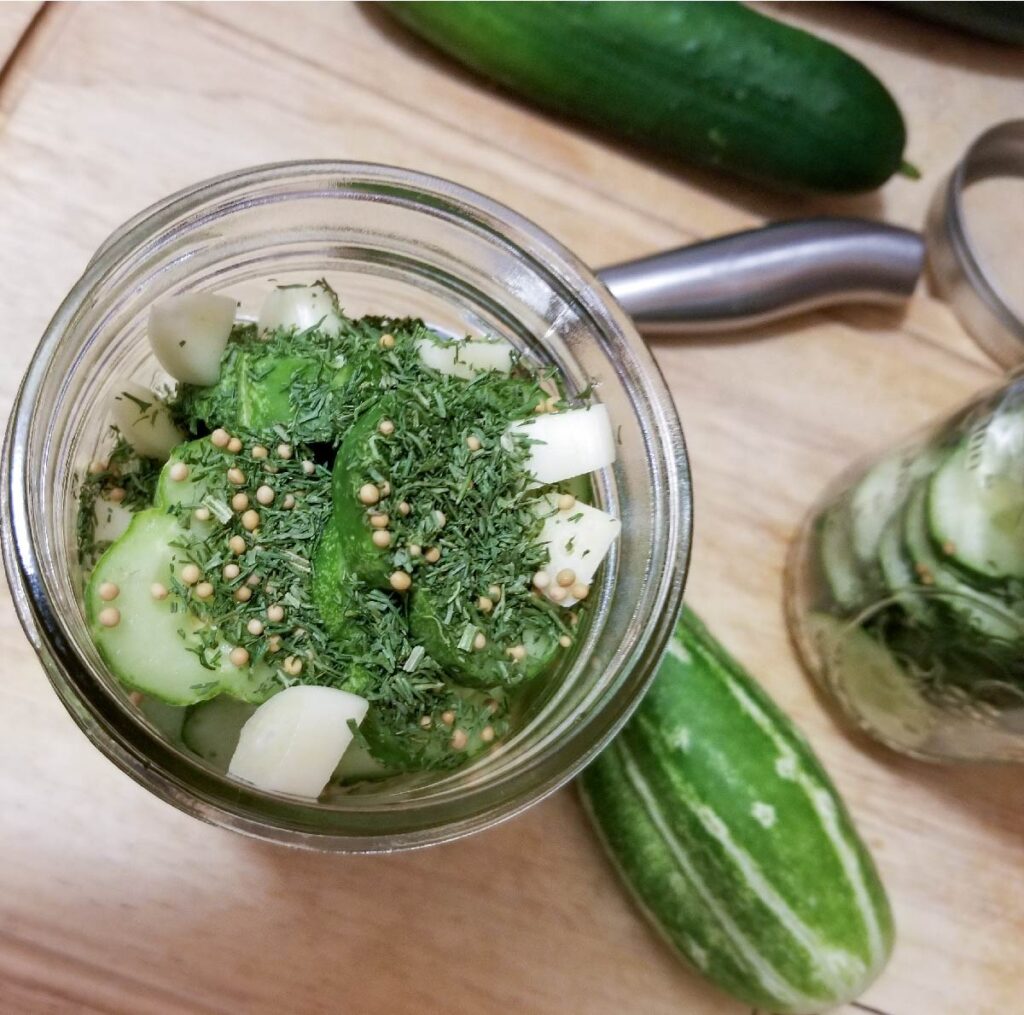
<point>906,587</point>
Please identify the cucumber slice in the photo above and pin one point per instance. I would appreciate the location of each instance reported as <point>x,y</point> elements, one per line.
<point>492,665</point>
<point>880,494</point>
<point>154,644</point>
<point>876,690</point>
<point>257,379</point>
<point>839,563</point>
<point>898,573</point>
<point>975,504</point>
<point>976,610</point>
<point>415,749</point>
<point>212,728</point>
<point>189,492</point>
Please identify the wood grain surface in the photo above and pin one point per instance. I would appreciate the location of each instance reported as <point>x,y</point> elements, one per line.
<point>112,901</point>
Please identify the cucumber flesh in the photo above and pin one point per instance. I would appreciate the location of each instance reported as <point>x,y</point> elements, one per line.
<point>976,505</point>
<point>152,646</point>
<point>417,750</point>
<point>188,492</point>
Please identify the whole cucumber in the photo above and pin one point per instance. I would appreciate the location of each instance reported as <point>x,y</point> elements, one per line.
<point>711,83</point>
<point>733,839</point>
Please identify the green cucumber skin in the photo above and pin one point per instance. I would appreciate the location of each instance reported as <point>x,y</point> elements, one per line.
<point>350,517</point>
<point>711,83</point>
<point>734,841</point>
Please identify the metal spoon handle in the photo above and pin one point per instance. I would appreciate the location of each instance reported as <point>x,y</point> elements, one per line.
<point>747,278</point>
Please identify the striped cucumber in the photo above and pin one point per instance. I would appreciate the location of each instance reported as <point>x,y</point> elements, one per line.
<point>733,840</point>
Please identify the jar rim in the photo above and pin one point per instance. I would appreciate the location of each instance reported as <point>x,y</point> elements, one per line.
<point>481,805</point>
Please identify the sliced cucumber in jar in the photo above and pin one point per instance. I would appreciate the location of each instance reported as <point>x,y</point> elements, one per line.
<point>838,561</point>
<point>976,503</point>
<point>976,610</point>
<point>145,630</point>
<point>898,573</point>
<point>880,495</point>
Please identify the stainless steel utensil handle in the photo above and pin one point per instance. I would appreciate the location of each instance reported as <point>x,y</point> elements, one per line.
<point>746,278</point>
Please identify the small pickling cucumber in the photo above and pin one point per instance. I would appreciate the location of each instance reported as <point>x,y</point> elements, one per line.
<point>211,728</point>
<point>976,503</point>
<point>466,358</point>
<point>189,334</point>
<point>144,421</point>
<point>578,538</point>
<point>567,444</point>
<point>514,650</point>
<point>714,83</point>
<point>294,741</point>
<point>299,307</point>
<point>734,841</point>
<point>144,629</point>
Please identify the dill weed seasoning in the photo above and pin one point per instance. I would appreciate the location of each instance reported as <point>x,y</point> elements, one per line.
<point>355,506</point>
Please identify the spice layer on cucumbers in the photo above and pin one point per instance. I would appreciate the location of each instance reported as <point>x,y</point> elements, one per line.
<point>340,549</point>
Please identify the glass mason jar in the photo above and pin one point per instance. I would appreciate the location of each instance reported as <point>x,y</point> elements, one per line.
<point>905,592</point>
<point>391,242</point>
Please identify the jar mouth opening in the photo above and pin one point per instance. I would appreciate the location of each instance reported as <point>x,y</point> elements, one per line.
<point>179,237</point>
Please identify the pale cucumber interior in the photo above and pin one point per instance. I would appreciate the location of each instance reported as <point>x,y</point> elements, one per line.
<point>976,512</point>
<point>151,648</point>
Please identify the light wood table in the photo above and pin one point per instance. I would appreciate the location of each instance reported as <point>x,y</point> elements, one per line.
<point>112,901</point>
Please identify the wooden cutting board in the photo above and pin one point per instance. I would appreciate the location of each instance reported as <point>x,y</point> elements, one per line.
<point>112,901</point>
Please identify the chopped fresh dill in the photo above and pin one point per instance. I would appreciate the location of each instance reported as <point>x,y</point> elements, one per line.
<point>306,590</point>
